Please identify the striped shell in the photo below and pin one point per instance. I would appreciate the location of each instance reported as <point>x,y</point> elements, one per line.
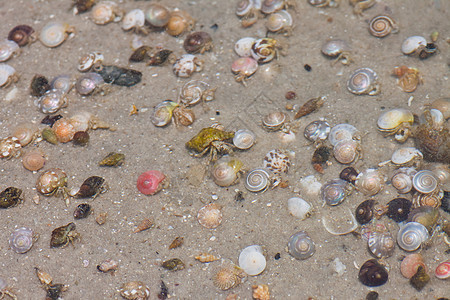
<point>346,151</point>
<point>22,239</point>
<point>411,236</point>
<point>226,173</point>
<point>369,182</point>
<point>274,120</point>
<point>364,81</point>
<point>55,33</point>
<point>425,182</point>
<point>86,62</point>
<point>258,180</point>
<point>228,277</point>
<point>264,50</point>
<point>381,26</point>
<point>206,257</point>
<point>301,246</point>
<point>402,180</point>
<point>381,244</point>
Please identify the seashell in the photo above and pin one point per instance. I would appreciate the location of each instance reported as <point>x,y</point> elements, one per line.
<point>277,161</point>
<point>81,138</point>
<point>183,116</point>
<point>186,65</point>
<point>363,81</point>
<point>82,211</point>
<point>338,49</point>
<point>372,273</point>
<point>271,6</point>
<point>443,105</point>
<point>245,7</point>
<point>244,67</point>
<point>301,246</point>
<point>320,158</point>
<point>177,242</point>
<point>340,221</point>
<point>436,121</point>
<point>10,197</point>
<point>299,208</point>
<point>398,209</point>
<point>420,279</point>
<point>425,182</point>
<point>63,130</point>
<point>407,78</point>
<point>425,215</point>
<point>228,277</point>
<point>324,3</point>
<point>413,44</point>
<point>443,270</point>
<point>22,35</point>
<point>105,12</point>
<point>364,212</point>
<point>210,216</point>
<point>87,61</point>
<point>62,84</point>
<point>134,19</point>
<point>395,119</point>
<point>333,192</point>
<point>406,156</point>
<point>286,137</point>
<point>381,244</point>
<point>343,132</point>
<point>402,179</point>
<point>43,276</point>
<point>274,121</point>
<point>442,172</point>
<point>82,121</point>
<point>162,113</point>
<point>410,264</point>
<point>7,75</point>
<point>25,133</point>
<point>7,49</point>
<point>198,42</point>
<point>244,139</point>
<point>34,160</point>
<point>55,33</point>
<point>411,236</point>
<point>252,260</point>
<point>381,26</point>
<point>134,290</point>
<point>157,15</point>
<point>349,174</point>
<point>317,130</point>
<point>109,265</point>
<point>194,91</point>
<point>51,182</point>
<point>206,257</point>
<point>347,151</point>
<point>243,47</point>
<point>144,225</point>
<point>260,292</point>
<point>280,21</point>
<point>91,187</point>
<point>174,264</point>
<point>258,180</point>
<point>264,50</point>
<point>49,135</point>
<point>22,239</point>
<point>309,106</point>
<point>81,6</point>
<point>39,85</point>
<point>431,199</point>
<point>51,102</point>
<point>88,83</point>
<point>10,147</point>
<point>369,182</point>
<point>151,182</point>
<point>226,173</point>
<point>179,22</point>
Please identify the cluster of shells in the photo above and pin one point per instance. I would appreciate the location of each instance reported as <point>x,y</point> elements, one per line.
<point>414,220</point>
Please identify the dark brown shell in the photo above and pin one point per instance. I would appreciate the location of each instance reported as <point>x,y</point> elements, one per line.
<point>39,85</point>
<point>398,209</point>
<point>320,157</point>
<point>10,197</point>
<point>50,120</point>
<point>54,291</point>
<point>434,144</point>
<point>199,41</point>
<point>140,54</point>
<point>309,107</point>
<point>372,273</point>
<point>82,211</point>
<point>82,6</point>
<point>364,211</point>
<point>349,174</point>
<point>22,35</point>
<point>81,138</point>
<point>445,202</point>
<point>61,236</point>
<point>420,279</point>
<point>91,187</point>
<point>160,57</point>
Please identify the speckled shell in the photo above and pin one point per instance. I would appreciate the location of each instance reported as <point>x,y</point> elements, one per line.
<point>7,74</point>
<point>402,179</point>
<point>7,49</point>
<point>51,102</point>
<point>381,244</point>
<point>50,180</point>
<point>274,120</point>
<point>133,19</point>
<point>54,34</point>
<point>406,155</point>
<point>10,147</point>
<point>346,151</point>
<point>317,130</point>
<point>252,260</point>
<point>411,236</point>
<point>258,180</point>
<point>390,120</point>
<point>299,208</point>
<point>342,132</point>
<point>186,65</point>
<point>277,161</point>
<point>333,48</point>
<point>381,26</point>
<point>335,191</point>
<point>412,44</point>
<point>369,182</point>
<point>425,182</point>
<point>87,61</point>
<point>243,47</point>
<point>87,83</point>
<point>244,139</point>
<point>135,290</point>
<point>363,81</point>
<point>105,12</point>
<point>22,239</point>
<point>210,216</point>
<point>301,246</point>
<point>157,15</point>
<point>278,21</point>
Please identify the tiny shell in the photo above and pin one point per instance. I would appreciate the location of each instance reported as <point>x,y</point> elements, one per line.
<point>22,35</point>
<point>410,264</point>
<point>174,264</point>
<point>113,159</point>
<point>443,270</point>
<point>105,12</point>
<point>63,235</point>
<point>101,218</point>
<point>177,242</point>
<point>364,81</point>
<point>10,197</point>
<point>317,130</point>
<point>299,208</point>
<point>411,236</point>
<point>243,47</point>
<point>10,147</point>
<point>55,33</point>
<point>309,106</point>
<point>151,182</point>
<point>372,273</point>
<point>43,276</point>
<point>271,6</point>
<point>420,279</point>
<point>206,257</point>
<point>8,49</point>
<point>144,225</point>
<point>274,121</point>
<point>210,216</point>
<point>301,246</point>
<point>34,160</point>
<point>89,60</point>
<point>349,174</point>
<point>179,22</point>
<point>194,91</point>
<point>22,239</point>
<point>109,265</point>
<point>258,180</point>
<point>260,292</point>
<point>135,290</point>
<point>252,260</point>
<point>228,277</point>
<point>338,49</point>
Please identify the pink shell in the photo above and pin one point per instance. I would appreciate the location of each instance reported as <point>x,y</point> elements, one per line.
<point>410,264</point>
<point>150,182</point>
<point>443,270</point>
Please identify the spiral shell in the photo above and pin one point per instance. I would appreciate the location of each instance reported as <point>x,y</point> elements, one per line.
<point>7,49</point>
<point>346,151</point>
<point>162,114</point>
<point>410,264</point>
<point>301,246</point>
<point>243,47</point>
<point>179,22</point>
<point>443,105</point>
<point>186,65</point>
<point>134,290</point>
<point>55,33</point>
<point>145,224</point>
<point>244,139</point>
<point>408,78</point>
<point>264,50</point>
<point>87,61</point>
<point>324,3</point>
<point>245,7</point>
<point>333,48</point>
<point>88,83</point>
<point>364,81</point>
<point>342,132</point>
<point>51,102</point>
<point>258,180</point>
<point>157,15</point>
<point>381,26</point>
<point>22,239</point>
<point>25,132</point>
<point>252,260</point>
<point>34,160</point>
<point>277,161</point>
<point>279,21</point>
<point>413,44</point>
<point>406,156</point>
<point>381,244</point>
<point>50,181</point>
<point>105,12</point>
<point>364,211</point>
<point>271,6</point>
<point>198,42</point>
<point>425,182</point>
<point>210,216</point>
<point>195,90</point>
<point>206,257</point>
<point>151,182</point>
<point>134,19</point>
<point>349,174</point>
<point>443,270</point>
<point>369,182</point>
<point>333,192</point>
<point>274,120</point>
<point>402,180</point>
<point>7,75</point>
<point>226,173</point>
<point>317,130</point>
<point>411,236</point>
<point>22,35</point>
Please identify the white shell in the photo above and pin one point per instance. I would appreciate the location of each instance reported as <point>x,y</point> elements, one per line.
<point>369,182</point>
<point>364,82</point>
<point>279,20</point>
<point>252,260</point>
<point>274,120</point>
<point>244,139</point>
<point>243,47</point>
<point>86,62</point>
<point>299,208</point>
<point>258,180</point>
<point>342,132</point>
<point>437,119</point>
<point>390,120</point>
<point>425,182</point>
<point>62,83</point>
<point>226,173</point>
<point>87,83</point>
<point>346,151</point>
<point>105,12</point>
<point>413,43</point>
<point>317,130</point>
<point>7,49</point>
<point>333,48</point>
<point>193,91</point>
<point>402,180</point>
<point>405,155</point>
<point>51,102</point>
<point>133,19</point>
<point>81,120</point>
<point>6,73</point>
<point>310,186</point>
<point>186,65</point>
<point>411,236</point>
<point>54,34</point>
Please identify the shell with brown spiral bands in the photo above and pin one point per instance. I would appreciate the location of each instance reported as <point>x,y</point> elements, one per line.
<point>381,26</point>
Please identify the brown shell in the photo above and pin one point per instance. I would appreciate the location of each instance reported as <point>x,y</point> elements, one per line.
<point>228,277</point>
<point>309,107</point>
<point>144,225</point>
<point>34,160</point>
<point>198,41</point>
<point>22,35</point>
<point>177,242</point>
<point>101,218</point>
<point>434,144</point>
<point>179,22</point>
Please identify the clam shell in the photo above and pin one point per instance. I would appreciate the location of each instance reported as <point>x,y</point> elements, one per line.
<point>243,47</point>
<point>412,44</point>
<point>299,208</point>
<point>363,81</point>
<point>342,132</point>
<point>244,139</point>
<point>411,236</point>
<point>301,246</point>
<point>425,182</point>
<point>22,239</point>
<point>252,260</point>
<point>258,180</point>
<point>317,130</point>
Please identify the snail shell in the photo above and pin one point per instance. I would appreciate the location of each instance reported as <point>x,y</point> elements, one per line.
<point>157,15</point>
<point>7,75</point>
<point>179,22</point>
<point>410,264</point>
<point>398,209</point>
<point>372,273</point>
<point>324,3</point>
<point>411,236</point>
<point>206,257</point>
<point>342,132</point>
<point>443,270</point>
<point>61,83</point>
<point>186,65</point>
<point>183,116</point>
<point>335,191</point>
<point>210,216</point>
<point>277,161</point>
<point>364,81</point>
<point>402,180</point>
<point>390,120</point>
<point>151,182</point>
<point>87,83</point>
<point>7,49</point>
<point>63,130</point>
<point>25,132</point>
<point>244,139</point>
<point>226,173</point>
<point>243,47</point>
<point>134,290</point>
<point>299,208</point>
<point>86,62</point>
<point>264,50</point>
<point>82,211</point>
<point>381,244</point>
<point>22,239</point>
<point>258,180</point>
<point>10,147</point>
<point>443,105</point>
<point>413,44</point>
<point>194,91</point>
<point>244,67</point>
<point>349,174</point>
<point>279,21</point>
<point>51,102</point>
<point>271,6</point>
<point>108,265</point>
<point>133,19</point>
<point>333,48</point>
<point>22,35</point>
<point>252,260</point>
<point>406,156</point>
<point>425,182</point>
<point>199,41</point>
<point>162,114</point>
<point>301,246</point>
<point>34,160</point>
<point>364,211</point>
<point>82,121</point>
<point>442,172</point>
<point>274,120</point>
<point>433,118</point>
<point>317,130</point>
<point>369,182</point>
<point>55,33</point>
<point>425,215</point>
<point>381,26</point>
<point>245,7</point>
<point>39,85</point>
<point>346,151</point>
<point>105,12</point>
<point>50,181</point>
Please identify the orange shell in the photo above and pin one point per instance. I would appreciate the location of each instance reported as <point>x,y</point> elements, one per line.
<point>33,160</point>
<point>410,264</point>
<point>145,224</point>
<point>261,292</point>
<point>210,216</point>
<point>206,257</point>
<point>63,130</point>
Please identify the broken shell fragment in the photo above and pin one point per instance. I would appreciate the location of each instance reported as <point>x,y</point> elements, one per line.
<point>109,265</point>
<point>299,208</point>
